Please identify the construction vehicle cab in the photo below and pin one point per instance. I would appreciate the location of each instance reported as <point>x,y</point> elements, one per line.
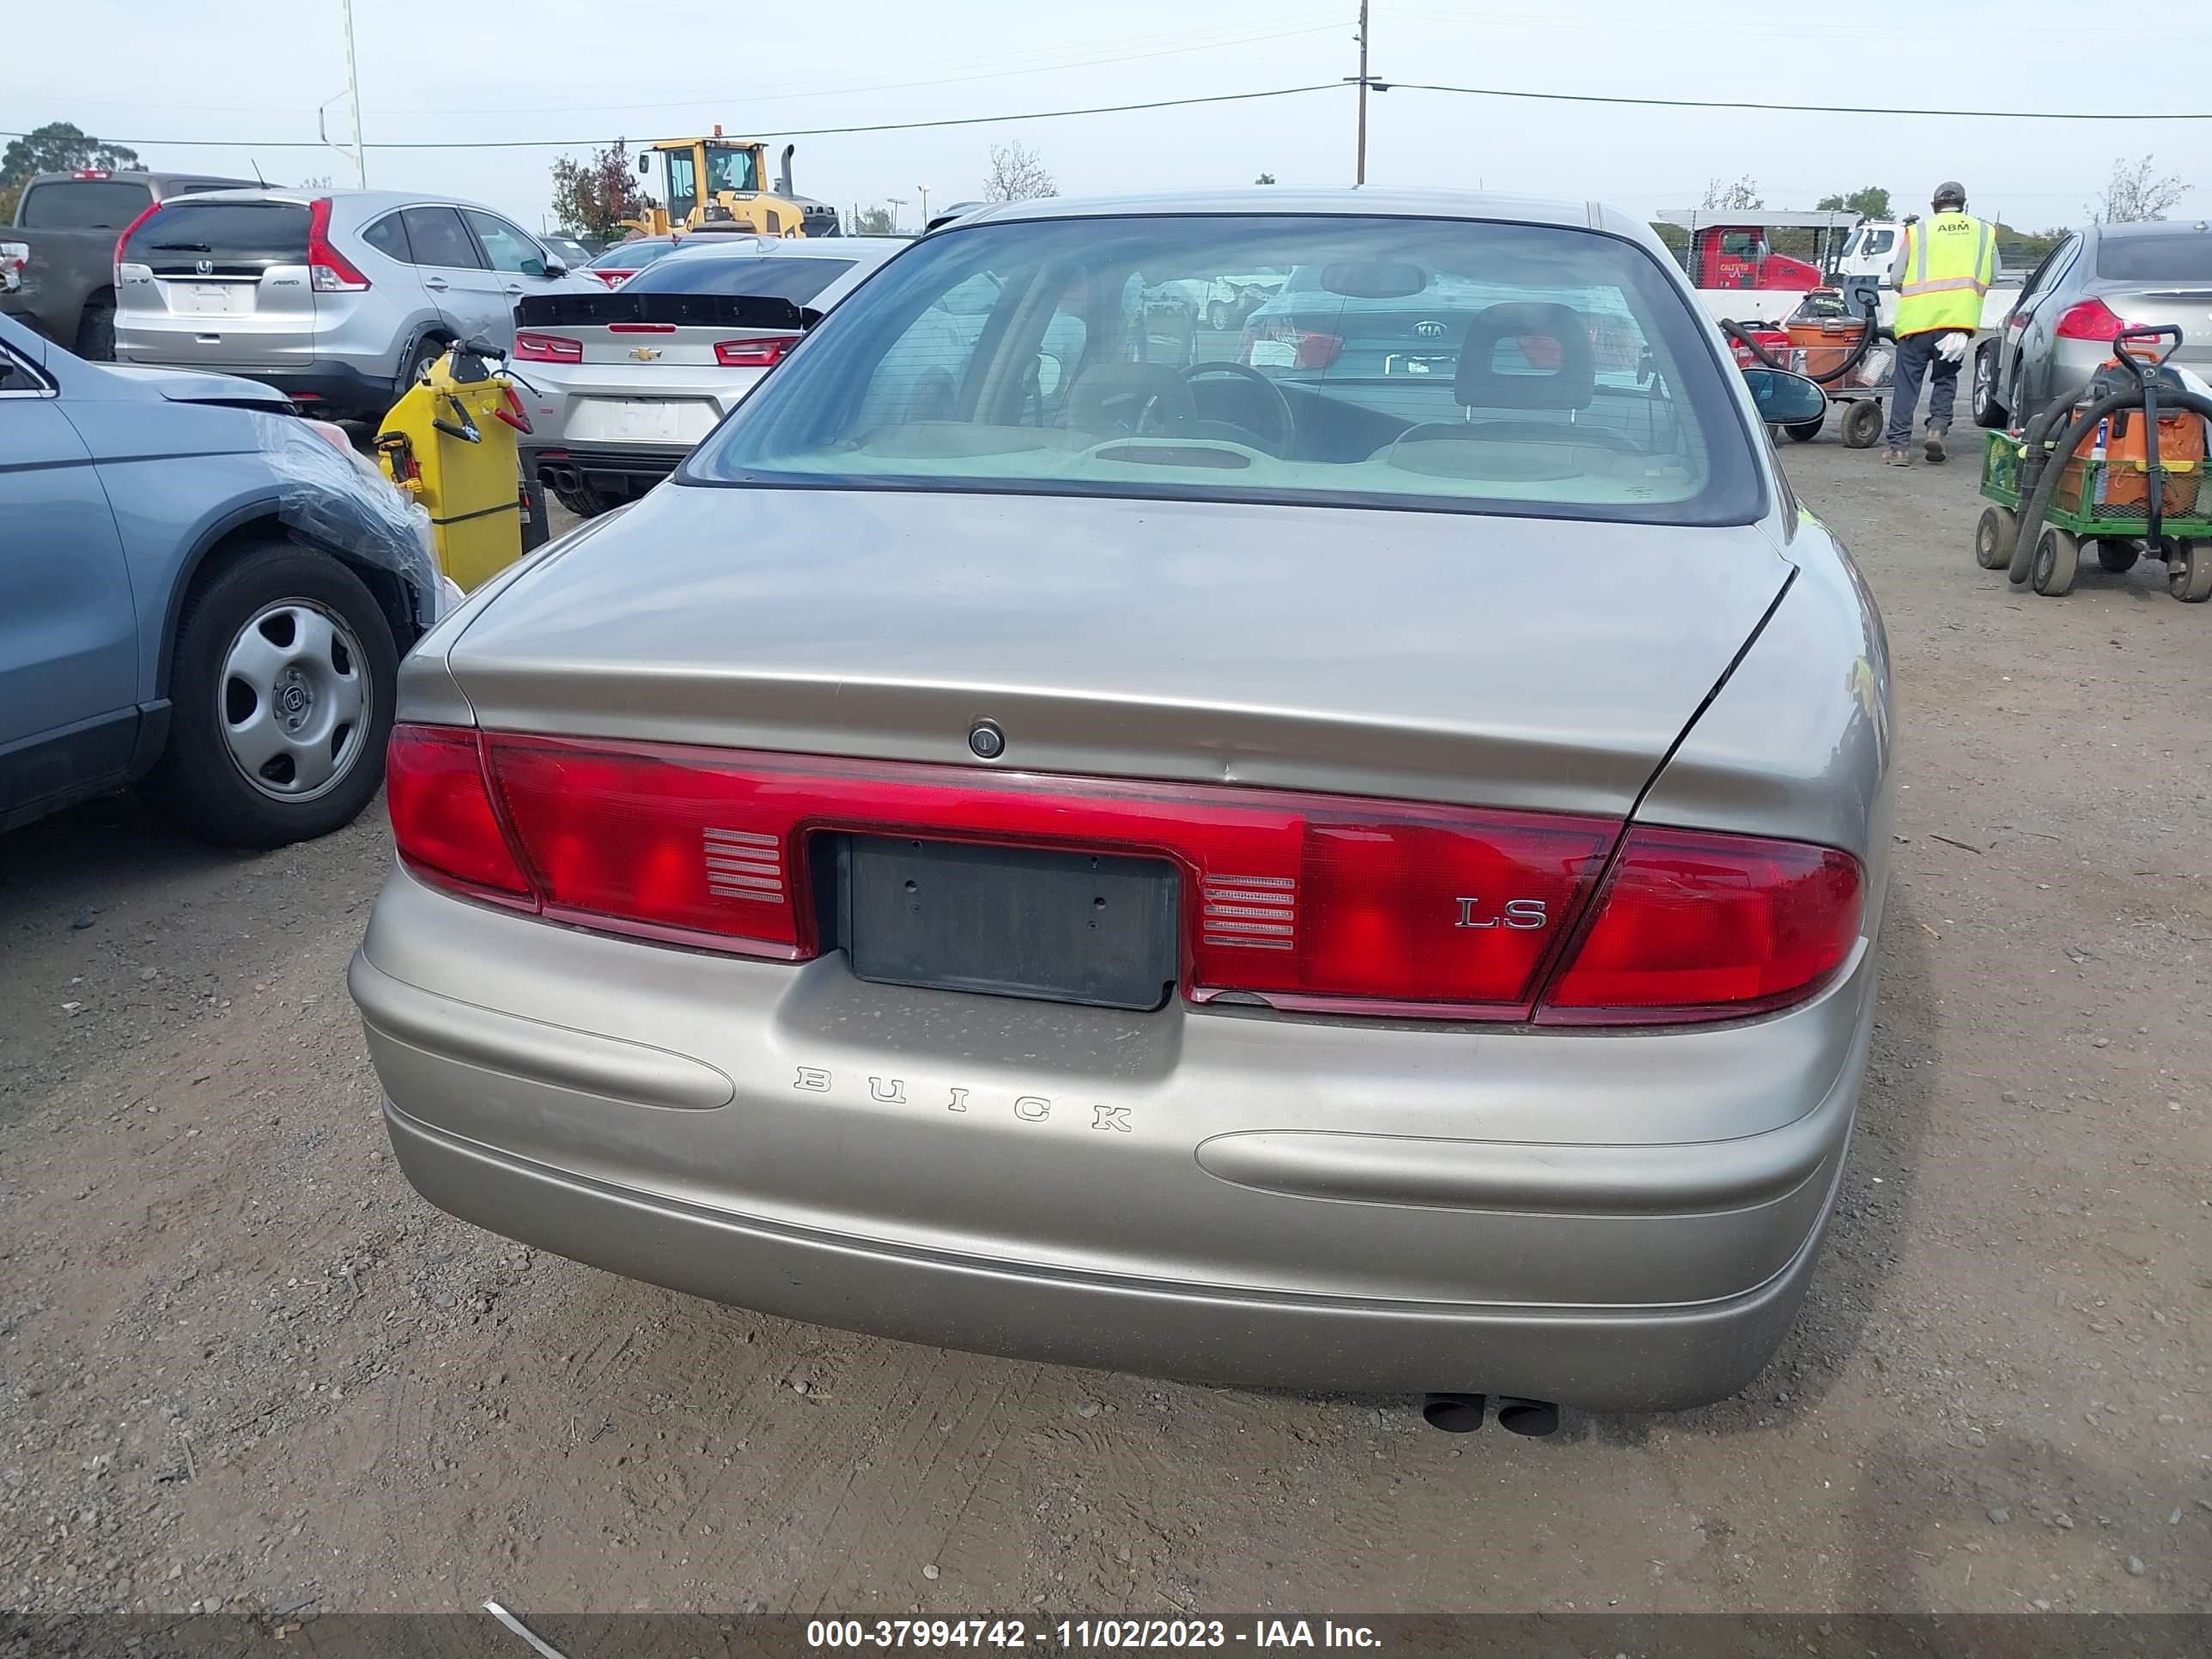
<point>1732,248</point>
<point>722,184</point>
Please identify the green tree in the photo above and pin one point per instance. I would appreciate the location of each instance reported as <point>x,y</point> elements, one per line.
<point>591,198</point>
<point>57,147</point>
<point>874,222</point>
<point>1871,202</point>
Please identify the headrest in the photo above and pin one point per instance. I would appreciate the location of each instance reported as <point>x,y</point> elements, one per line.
<point>1527,356</point>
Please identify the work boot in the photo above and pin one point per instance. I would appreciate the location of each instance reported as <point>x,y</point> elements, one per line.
<point>1934,447</point>
<point>1895,457</point>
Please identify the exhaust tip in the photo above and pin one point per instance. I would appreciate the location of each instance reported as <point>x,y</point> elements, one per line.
<point>1534,1418</point>
<point>1454,1413</point>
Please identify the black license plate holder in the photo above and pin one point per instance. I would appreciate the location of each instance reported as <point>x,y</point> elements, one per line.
<point>1094,928</point>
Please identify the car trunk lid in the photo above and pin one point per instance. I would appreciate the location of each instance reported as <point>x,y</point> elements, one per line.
<point>1540,663</point>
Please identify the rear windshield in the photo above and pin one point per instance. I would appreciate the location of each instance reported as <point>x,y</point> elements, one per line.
<point>2185,256</point>
<point>83,204</point>
<point>631,256</point>
<point>229,235</point>
<point>796,279</point>
<point>1337,360</point>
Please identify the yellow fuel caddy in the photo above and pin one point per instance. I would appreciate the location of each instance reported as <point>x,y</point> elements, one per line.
<point>450,443</point>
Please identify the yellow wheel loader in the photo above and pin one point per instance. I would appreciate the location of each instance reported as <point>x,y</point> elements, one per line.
<point>719,184</point>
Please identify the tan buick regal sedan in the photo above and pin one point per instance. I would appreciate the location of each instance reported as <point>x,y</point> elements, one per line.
<point>1343,851</point>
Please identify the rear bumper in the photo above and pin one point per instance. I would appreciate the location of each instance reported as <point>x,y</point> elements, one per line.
<point>1605,1360</point>
<point>1199,1194</point>
<point>622,468</point>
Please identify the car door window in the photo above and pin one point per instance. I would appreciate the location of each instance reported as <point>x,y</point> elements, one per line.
<point>439,238</point>
<point>506,248</point>
<point>388,236</point>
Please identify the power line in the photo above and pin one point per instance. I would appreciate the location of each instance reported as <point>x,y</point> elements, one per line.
<point>1814,109</point>
<point>805,132</point>
<point>1218,98</point>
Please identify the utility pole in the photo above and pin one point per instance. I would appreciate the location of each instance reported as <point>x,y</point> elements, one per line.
<point>353,96</point>
<point>1359,171</point>
<point>924,189</point>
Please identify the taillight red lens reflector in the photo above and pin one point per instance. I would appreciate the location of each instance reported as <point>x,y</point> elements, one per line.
<point>534,348</point>
<point>1322,903</point>
<point>1307,900</point>
<point>1693,926</point>
<point>441,814</point>
<point>2089,320</point>
<point>765,351</point>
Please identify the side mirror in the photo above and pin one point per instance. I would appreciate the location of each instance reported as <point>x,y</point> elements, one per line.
<point>553,268</point>
<point>644,164</point>
<point>1783,398</point>
<point>533,267</point>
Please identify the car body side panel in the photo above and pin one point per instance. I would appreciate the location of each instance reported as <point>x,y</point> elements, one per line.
<point>1798,743</point>
<point>68,621</point>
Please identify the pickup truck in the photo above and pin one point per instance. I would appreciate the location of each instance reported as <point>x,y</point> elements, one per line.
<point>59,255</point>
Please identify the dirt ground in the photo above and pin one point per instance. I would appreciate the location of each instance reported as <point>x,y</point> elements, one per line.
<point>245,1366</point>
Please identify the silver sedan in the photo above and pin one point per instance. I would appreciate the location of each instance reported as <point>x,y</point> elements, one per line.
<point>2096,282</point>
<point>1288,868</point>
<point>623,384</point>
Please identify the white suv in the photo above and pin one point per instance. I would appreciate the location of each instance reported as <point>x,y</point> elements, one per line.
<point>335,297</point>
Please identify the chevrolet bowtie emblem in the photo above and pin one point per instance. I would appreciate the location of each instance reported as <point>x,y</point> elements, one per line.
<point>647,353</point>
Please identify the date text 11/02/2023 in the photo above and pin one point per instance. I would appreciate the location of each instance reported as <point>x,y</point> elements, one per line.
<point>1088,1634</point>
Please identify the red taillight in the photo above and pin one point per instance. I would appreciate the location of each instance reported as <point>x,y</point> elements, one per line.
<point>131,229</point>
<point>91,173</point>
<point>1693,926</point>
<point>547,349</point>
<point>764,352</point>
<point>2089,320</point>
<point>329,271</point>
<point>443,817</point>
<point>1323,903</point>
<point>640,328</point>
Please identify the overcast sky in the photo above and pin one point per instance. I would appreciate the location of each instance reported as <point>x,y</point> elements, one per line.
<point>440,72</point>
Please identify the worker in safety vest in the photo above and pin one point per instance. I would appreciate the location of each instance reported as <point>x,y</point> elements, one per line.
<point>1945,265</point>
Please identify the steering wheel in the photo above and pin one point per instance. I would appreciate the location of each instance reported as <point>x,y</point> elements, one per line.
<point>1280,406</point>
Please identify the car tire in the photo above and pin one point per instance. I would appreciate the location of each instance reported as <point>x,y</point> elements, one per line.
<point>2057,557</point>
<point>283,664</point>
<point>95,333</point>
<point>427,350</point>
<point>2117,554</point>
<point>584,501</point>
<point>1217,317</point>
<point>1804,432</point>
<point>1994,537</point>
<point>1989,408</point>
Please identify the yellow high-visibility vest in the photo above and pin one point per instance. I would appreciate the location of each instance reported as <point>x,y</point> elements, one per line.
<point>1950,261</point>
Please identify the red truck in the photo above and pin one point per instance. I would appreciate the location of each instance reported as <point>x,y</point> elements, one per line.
<point>1729,247</point>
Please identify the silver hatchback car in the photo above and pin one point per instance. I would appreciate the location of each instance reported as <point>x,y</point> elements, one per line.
<point>1359,869</point>
<point>2097,281</point>
<point>336,298</point>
